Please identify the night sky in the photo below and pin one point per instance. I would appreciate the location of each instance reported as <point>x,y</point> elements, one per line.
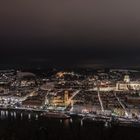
<point>70,33</point>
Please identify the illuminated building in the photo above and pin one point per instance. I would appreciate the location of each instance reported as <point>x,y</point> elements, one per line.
<point>60,100</point>
<point>127,84</point>
<point>105,88</point>
<point>126,79</point>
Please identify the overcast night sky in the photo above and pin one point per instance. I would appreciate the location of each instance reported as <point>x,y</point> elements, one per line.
<point>59,33</point>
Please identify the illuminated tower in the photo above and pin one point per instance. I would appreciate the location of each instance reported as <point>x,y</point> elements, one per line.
<point>126,78</point>
<point>66,96</point>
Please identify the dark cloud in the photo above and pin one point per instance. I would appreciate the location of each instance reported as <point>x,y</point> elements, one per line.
<point>64,32</point>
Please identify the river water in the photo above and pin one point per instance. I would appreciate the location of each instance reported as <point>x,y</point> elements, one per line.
<point>29,126</point>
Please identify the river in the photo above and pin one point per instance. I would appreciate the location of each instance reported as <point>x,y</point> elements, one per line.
<point>15,125</point>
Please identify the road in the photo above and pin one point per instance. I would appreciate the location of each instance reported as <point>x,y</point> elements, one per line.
<point>100,100</point>
<point>126,113</point>
<point>70,99</point>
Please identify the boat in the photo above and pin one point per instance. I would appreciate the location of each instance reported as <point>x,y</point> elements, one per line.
<point>57,115</point>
